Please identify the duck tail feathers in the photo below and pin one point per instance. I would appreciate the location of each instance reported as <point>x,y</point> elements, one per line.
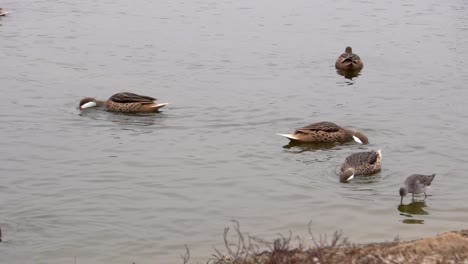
<point>157,106</point>
<point>290,136</point>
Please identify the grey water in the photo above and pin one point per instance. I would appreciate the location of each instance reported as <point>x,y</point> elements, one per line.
<point>111,188</point>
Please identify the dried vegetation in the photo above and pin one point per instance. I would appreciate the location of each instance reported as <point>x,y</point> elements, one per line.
<point>449,247</point>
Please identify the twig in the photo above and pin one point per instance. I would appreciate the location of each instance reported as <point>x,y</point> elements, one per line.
<point>186,256</point>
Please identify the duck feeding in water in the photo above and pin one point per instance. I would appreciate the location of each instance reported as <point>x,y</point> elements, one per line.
<point>124,103</point>
<point>361,163</point>
<point>326,132</point>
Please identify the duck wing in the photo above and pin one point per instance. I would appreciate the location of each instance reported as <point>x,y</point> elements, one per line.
<point>371,157</point>
<point>320,126</point>
<point>350,57</point>
<point>131,98</point>
<point>425,180</point>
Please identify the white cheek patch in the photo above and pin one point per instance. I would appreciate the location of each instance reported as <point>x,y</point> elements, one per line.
<point>357,140</point>
<point>88,105</point>
<point>350,177</point>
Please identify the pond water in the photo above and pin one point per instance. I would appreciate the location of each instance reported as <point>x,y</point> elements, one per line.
<point>114,188</point>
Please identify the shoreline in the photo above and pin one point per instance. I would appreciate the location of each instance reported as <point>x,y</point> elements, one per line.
<point>448,247</point>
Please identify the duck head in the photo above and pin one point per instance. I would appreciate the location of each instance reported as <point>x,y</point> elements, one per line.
<point>88,102</point>
<point>347,175</point>
<point>359,137</point>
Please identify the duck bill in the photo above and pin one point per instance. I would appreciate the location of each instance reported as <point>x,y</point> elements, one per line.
<point>88,105</point>
<point>357,140</point>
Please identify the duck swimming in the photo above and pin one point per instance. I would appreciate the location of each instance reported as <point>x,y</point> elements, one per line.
<point>349,61</point>
<point>124,103</point>
<point>361,163</point>
<point>326,132</point>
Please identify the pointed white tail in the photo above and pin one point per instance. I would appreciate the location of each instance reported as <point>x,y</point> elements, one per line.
<point>157,106</point>
<point>290,136</point>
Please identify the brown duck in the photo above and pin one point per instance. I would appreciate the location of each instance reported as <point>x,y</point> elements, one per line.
<point>349,61</point>
<point>125,103</point>
<point>361,163</point>
<point>326,132</point>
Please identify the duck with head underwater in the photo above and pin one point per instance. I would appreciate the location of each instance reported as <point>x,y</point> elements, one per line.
<point>124,103</point>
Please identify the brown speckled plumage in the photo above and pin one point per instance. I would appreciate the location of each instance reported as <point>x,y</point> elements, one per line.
<point>361,163</point>
<point>349,61</point>
<point>126,103</point>
<point>325,132</point>
<point>416,184</point>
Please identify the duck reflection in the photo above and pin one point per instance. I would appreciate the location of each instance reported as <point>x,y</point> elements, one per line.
<point>348,74</point>
<point>127,119</point>
<point>140,119</point>
<point>299,147</point>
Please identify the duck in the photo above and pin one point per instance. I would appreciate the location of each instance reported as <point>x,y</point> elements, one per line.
<point>326,132</point>
<point>416,184</point>
<point>349,61</point>
<point>361,163</point>
<point>125,103</point>
<point>3,13</point>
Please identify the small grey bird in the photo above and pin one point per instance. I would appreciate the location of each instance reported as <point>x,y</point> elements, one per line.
<point>416,184</point>
<point>361,163</point>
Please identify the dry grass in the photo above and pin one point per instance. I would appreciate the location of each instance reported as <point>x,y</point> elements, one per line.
<point>450,247</point>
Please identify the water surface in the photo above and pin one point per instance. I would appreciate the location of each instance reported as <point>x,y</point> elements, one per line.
<point>113,188</point>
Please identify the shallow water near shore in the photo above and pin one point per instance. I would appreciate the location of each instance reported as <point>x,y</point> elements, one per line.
<point>115,188</point>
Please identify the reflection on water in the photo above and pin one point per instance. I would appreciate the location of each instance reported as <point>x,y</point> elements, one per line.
<point>125,119</point>
<point>367,178</point>
<point>359,180</point>
<point>348,74</point>
<point>413,221</point>
<point>295,146</point>
<point>414,208</point>
<point>409,210</point>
